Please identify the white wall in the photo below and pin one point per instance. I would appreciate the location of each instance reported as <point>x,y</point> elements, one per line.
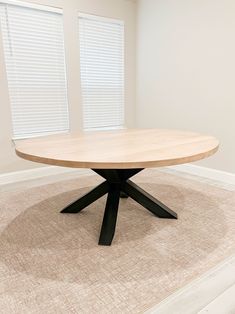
<point>186,70</point>
<point>120,9</point>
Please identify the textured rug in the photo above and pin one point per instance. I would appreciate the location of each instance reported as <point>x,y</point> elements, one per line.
<point>51,263</point>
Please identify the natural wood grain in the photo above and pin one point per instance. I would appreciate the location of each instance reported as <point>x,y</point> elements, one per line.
<point>119,149</point>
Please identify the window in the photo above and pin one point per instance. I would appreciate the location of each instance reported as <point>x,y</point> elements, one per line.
<point>102,72</point>
<point>35,64</point>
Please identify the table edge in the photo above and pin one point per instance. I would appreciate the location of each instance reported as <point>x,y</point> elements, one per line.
<point>117,165</point>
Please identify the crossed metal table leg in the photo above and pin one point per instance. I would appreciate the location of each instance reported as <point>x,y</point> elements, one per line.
<point>118,185</point>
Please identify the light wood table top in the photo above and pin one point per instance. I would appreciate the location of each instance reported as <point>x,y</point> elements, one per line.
<point>118,149</point>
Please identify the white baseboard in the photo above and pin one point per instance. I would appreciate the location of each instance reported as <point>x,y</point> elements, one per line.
<point>31,174</point>
<point>208,173</point>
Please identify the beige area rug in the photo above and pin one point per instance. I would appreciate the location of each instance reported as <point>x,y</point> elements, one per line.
<point>51,263</point>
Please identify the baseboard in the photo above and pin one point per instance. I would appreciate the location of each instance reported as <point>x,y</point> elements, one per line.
<point>31,174</point>
<point>208,173</point>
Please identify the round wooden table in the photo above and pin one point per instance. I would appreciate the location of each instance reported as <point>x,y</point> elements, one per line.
<point>117,156</point>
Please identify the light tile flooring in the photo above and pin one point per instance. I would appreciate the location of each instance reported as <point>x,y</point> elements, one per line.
<point>213,293</point>
<point>222,304</point>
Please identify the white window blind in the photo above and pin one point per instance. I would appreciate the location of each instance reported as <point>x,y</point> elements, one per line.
<point>102,71</point>
<point>35,64</point>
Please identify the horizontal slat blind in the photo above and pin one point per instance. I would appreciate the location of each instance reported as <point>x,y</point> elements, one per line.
<point>102,72</point>
<point>35,64</point>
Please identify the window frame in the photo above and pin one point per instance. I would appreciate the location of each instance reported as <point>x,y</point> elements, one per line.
<point>44,8</point>
<point>102,18</point>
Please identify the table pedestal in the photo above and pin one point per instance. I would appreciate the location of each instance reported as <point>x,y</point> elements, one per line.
<point>118,185</point>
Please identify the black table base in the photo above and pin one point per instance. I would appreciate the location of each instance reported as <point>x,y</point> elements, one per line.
<point>118,185</point>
